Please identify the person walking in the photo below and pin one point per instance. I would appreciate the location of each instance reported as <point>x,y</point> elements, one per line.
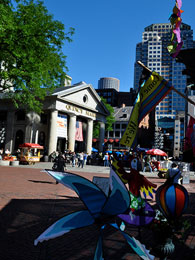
<point>73,159</point>
<point>60,161</point>
<point>106,160</point>
<point>147,163</point>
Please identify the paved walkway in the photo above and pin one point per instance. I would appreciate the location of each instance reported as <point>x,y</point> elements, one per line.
<point>30,201</point>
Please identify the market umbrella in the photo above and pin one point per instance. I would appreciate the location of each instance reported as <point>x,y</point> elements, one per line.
<point>108,151</point>
<point>94,150</point>
<point>156,152</point>
<point>118,153</point>
<point>139,149</point>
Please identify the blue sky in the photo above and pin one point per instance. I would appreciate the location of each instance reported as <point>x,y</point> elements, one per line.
<point>106,34</point>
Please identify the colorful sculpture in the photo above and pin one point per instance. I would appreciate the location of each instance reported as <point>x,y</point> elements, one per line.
<point>176,43</point>
<point>140,212</point>
<point>172,199</point>
<point>100,210</point>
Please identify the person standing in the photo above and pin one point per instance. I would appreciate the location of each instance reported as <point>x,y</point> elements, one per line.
<point>65,159</point>
<point>73,159</point>
<point>85,158</point>
<point>81,161</point>
<point>60,162</point>
<point>174,173</point>
<point>1,154</point>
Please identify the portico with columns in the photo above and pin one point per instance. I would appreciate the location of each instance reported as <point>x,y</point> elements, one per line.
<point>55,128</point>
<point>79,102</point>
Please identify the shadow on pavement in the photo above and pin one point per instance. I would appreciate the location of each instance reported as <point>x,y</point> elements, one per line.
<point>47,182</point>
<point>22,221</point>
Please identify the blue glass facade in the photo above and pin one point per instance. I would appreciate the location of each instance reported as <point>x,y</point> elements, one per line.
<point>152,51</point>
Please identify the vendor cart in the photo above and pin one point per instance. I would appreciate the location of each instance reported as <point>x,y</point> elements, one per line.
<point>30,153</point>
<point>163,168</point>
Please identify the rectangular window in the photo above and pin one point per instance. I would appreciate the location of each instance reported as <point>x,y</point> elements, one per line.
<point>124,126</point>
<point>117,133</point>
<point>117,126</point>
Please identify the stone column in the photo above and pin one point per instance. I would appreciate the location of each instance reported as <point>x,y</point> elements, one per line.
<point>37,136</point>
<point>33,120</point>
<point>28,134</point>
<point>53,132</point>
<point>89,135</point>
<point>102,135</point>
<point>71,132</point>
<point>10,131</point>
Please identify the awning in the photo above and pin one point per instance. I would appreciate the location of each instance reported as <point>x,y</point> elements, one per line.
<point>30,145</point>
<point>116,140</point>
<point>105,140</point>
<point>111,140</point>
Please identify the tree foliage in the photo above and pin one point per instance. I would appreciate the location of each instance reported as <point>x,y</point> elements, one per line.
<point>109,120</point>
<point>31,58</point>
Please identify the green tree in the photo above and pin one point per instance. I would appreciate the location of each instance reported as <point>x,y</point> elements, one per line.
<point>109,120</point>
<point>31,60</point>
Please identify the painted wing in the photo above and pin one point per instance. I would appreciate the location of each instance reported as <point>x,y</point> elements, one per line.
<point>139,248</point>
<point>137,182</point>
<point>139,217</point>
<point>91,195</point>
<point>98,251</point>
<point>118,200</point>
<point>64,225</point>
<point>118,168</point>
<point>135,245</point>
<point>147,187</point>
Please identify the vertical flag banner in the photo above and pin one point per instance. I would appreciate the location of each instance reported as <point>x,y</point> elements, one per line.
<point>190,136</point>
<point>79,131</point>
<point>62,126</point>
<point>176,43</point>
<point>152,91</point>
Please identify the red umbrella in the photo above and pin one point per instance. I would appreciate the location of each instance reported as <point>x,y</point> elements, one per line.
<point>156,152</point>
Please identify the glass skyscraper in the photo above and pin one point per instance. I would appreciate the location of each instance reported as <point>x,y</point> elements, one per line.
<point>152,51</point>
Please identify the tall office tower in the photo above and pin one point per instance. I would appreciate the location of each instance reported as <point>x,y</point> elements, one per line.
<point>108,83</point>
<point>152,51</point>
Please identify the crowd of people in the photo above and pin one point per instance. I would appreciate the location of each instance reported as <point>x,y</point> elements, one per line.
<point>61,159</point>
<point>4,153</point>
<point>146,163</point>
<point>143,163</point>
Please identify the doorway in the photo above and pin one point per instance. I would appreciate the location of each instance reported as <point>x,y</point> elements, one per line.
<point>19,139</point>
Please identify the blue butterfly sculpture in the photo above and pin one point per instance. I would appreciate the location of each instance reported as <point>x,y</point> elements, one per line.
<point>101,210</point>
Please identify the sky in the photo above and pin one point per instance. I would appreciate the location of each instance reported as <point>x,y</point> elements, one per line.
<point>106,34</point>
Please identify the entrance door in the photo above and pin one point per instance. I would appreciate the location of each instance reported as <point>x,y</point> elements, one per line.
<point>61,144</point>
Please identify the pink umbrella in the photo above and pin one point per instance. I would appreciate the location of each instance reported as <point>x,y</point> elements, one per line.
<point>156,152</point>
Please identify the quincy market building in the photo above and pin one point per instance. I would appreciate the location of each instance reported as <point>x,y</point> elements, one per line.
<point>65,124</point>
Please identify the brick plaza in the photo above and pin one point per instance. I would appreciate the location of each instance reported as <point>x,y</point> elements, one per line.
<point>30,201</point>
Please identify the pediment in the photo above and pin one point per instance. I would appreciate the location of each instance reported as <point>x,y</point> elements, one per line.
<point>82,95</point>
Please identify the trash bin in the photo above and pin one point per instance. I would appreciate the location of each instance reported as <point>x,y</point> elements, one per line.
<point>186,177</point>
<point>46,158</point>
